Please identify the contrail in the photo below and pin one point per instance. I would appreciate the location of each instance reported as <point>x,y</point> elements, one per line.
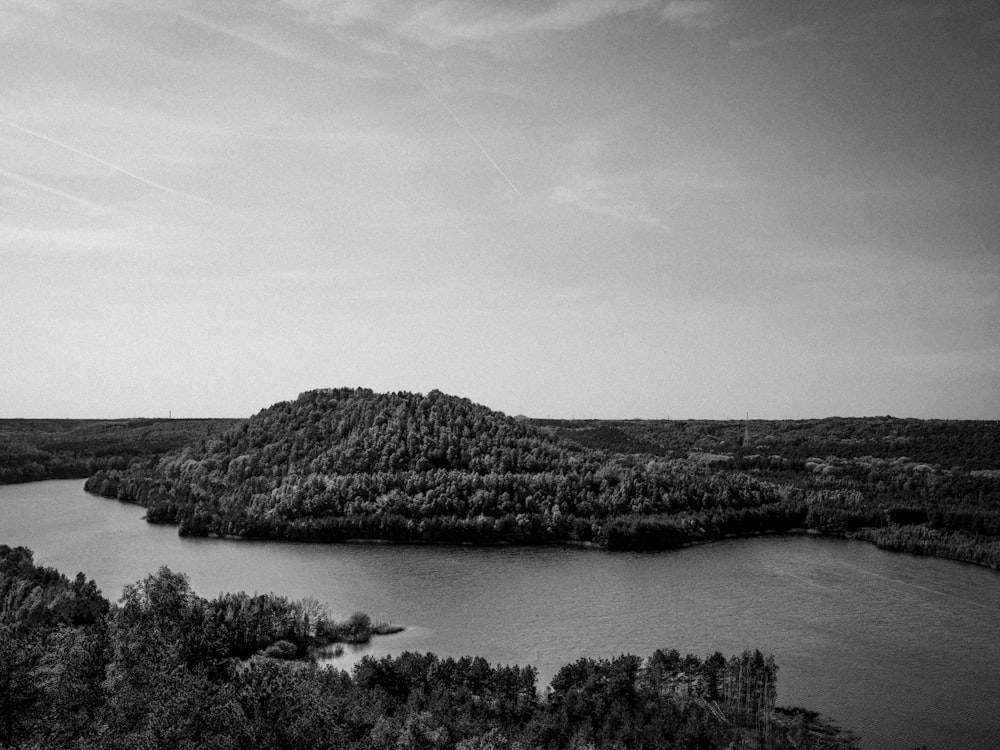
<point>46,189</point>
<point>453,116</point>
<point>105,162</point>
<point>471,136</point>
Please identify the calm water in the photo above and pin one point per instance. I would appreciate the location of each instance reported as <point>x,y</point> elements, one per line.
<point>902,650</point>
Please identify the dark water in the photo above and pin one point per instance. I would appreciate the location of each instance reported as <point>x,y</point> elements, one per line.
<point>903,650</point>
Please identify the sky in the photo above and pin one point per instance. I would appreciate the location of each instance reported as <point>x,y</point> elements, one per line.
<point>557,208</point>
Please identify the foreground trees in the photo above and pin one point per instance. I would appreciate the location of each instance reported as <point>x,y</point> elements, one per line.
<point>161,670</point>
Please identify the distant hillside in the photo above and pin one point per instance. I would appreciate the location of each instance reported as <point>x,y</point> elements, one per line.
<point>965,445</point>
<point>35,449</point>
<point>341,464</point>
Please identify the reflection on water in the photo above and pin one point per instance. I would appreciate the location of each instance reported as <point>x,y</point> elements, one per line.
<point>900,649</point>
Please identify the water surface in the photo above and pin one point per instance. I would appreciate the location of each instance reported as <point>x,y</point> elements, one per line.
<point>901,649</point>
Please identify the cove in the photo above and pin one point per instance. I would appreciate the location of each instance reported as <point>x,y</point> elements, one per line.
<point>900,649</point>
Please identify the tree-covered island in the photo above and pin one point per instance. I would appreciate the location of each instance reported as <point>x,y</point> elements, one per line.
<point>164,668</point>
<point>341,464</point>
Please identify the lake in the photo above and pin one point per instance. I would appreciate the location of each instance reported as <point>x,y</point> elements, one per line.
<point>902,650</point>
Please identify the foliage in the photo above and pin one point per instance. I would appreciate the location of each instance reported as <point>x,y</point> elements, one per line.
<point>920,486</point>
<point>965,444</point>
<point>159,670</point>
<point>35,449</point>
<point>340,464</point>
<point>50,628</point>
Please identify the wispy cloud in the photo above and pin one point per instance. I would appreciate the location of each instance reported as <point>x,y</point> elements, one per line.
<point>687,13</point>
<point>341,13</point>
<point>594,196</point>
<point>576,14</point>
<point>756,41</point>
<point>445,22</point>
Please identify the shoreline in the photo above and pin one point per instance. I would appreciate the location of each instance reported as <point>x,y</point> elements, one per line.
<point>569,543</point>
<point>796,532</point>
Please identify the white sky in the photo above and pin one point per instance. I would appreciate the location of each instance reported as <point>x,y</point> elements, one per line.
<point>585,208</point>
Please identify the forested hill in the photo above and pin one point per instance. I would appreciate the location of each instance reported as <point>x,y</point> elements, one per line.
<point>344,464</point>
<point>357,431</point>
<point>339,464</point>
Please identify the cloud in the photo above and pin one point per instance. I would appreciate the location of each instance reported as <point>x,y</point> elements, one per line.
<point>341,13</point>
<point>756,41</point>
<point>687,13</point>
<point>593,196</point>
<point>576,14</point>
<point>444,23</point>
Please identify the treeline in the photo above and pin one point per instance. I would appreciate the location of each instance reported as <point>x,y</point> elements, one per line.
<point>37,449</point>
<point>159,670</point>
<point>924,540</point>
<point>951,443</point>
<point>342,464</point>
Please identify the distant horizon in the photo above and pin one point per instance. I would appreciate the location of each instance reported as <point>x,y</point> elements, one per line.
<point>578,418</point>
<point>554,207</point>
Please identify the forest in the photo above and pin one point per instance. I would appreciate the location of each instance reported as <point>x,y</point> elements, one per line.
<point>340,464</point>
<point>37,449</point>
<point>166,668</point>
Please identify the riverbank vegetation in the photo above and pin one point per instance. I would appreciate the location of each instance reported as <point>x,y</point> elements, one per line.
<point>165,668</point>
<point>342,464</point>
